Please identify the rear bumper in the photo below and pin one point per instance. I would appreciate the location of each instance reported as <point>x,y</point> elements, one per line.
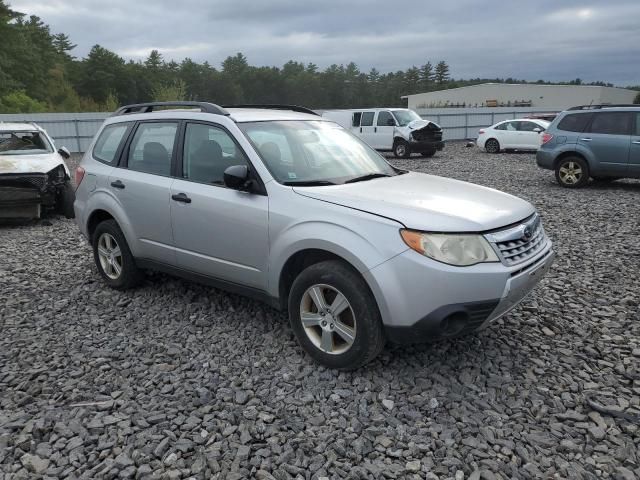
<point>425,145</point>
<point>545,159</point>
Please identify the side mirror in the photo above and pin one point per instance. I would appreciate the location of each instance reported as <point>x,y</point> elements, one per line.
<point>391,122</point>
<point>64,152</point>
<point>537,130</point>
<point>236,177</point>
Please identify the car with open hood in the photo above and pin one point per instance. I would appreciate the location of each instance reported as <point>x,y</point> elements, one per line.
<point>285,206</point>
<point>34,178</point>
<point>398,130</point>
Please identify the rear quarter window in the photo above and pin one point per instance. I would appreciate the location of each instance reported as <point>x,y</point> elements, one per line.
<point>109,142</point>
<point>574,122</point>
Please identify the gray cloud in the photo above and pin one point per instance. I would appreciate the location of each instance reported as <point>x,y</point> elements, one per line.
<point>530,40</point>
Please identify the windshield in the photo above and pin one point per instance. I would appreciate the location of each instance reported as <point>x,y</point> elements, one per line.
<point>23,143</point>
<point>405,117</point>
<point>314,152</point>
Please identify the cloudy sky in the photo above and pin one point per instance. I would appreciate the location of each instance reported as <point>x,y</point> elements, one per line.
<point>549,39</point>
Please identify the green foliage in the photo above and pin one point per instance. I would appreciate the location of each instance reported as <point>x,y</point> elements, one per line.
<point>637,99</point>
<point>174,91</point>
<point>20,102</point>
<point>38,71</point>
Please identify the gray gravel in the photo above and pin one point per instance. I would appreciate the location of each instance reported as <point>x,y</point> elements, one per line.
<point>176,380</point>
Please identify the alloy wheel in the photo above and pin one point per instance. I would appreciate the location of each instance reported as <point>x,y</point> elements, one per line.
<point>110,256</point>
<point>328,319</point>
<point>570,173</point>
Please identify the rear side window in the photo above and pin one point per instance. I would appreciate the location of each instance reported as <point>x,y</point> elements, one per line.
<point>611,123</point>
<point>109,141</point>
<point>574,122</point>
<point>385,119</point>
<point>356,119</point>
<point>367,119</point>
<point>151,148</point>
<point>637,124</point>
<point>529,127</point>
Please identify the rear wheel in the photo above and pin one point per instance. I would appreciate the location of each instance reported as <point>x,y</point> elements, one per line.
<point>335,316</point>
<point>572,172</point>
<point>401,149</point>
<point>113,258</point>
<point>492,146</point>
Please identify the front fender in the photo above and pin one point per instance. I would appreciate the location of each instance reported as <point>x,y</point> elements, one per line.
<point>362,251</point>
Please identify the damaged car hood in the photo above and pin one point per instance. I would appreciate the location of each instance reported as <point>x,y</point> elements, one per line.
<point>427,202</point>
<point>39,163</point>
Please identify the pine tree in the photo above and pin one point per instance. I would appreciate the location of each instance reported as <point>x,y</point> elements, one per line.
<point>442,72</point>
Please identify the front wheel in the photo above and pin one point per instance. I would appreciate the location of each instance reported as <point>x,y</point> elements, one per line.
<point>66,197</point>
<point>401,149</point>
<point>335,316</point>
<point>572,172</point>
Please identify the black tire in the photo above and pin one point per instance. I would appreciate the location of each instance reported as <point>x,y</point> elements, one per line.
<point>428,153</point>
<point>572,172</point>
<point>401,149</point>
<point>65,201</point>
<point>492,146</point>
<point>129,275</point>
<point>368,338</point>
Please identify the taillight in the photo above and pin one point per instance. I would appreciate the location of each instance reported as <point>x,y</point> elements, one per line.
<point>481,131</point>
<point>546,138</point>
<point>79,175</point>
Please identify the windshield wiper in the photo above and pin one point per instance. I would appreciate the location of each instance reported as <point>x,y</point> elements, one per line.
<point>368,176</point>
<point>308,183</point>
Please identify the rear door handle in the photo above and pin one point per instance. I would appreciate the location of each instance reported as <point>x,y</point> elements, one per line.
<point>181,197</point>
<point>637,142</point>
<point>586,139</point>
<point>117,184</point>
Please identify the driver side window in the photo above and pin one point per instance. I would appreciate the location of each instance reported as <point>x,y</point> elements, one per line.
<point>208,152</point>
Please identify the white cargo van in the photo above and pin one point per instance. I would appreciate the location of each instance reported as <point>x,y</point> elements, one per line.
<point>397,130</point>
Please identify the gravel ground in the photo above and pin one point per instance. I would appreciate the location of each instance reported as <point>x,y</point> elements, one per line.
<point>176,380</point>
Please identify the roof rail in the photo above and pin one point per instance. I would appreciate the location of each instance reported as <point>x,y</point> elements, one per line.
<point>603,105</point>
<point>293,108</point>
<point>204,107</point>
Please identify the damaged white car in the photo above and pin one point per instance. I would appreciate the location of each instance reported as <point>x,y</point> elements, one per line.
<point>33,176</point>
<point>398,130</point>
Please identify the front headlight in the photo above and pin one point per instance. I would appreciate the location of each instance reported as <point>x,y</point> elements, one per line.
<point>454,249</point>
<point>57,174</point>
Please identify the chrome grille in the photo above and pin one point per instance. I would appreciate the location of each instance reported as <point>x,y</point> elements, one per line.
<point>520,243</point>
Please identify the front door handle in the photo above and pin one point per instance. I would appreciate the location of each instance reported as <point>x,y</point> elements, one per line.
<point>375,129</point>
<point>586,139</point>
<point>181,197</point>
<point>117,184</point>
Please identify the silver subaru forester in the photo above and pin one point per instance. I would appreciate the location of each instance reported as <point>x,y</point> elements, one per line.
<point>277,203</point>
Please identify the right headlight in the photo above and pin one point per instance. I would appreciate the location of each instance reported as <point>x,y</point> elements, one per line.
<point>453,249</point>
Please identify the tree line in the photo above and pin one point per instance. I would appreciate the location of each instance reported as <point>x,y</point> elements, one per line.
<point>38,72</point>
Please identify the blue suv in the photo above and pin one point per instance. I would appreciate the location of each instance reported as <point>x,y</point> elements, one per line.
<point>601,142</point>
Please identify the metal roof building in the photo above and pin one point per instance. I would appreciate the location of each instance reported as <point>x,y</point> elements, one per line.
<point>556,97</point>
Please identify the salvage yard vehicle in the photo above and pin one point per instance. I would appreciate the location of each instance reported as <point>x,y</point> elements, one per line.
<point>592,141</point>
<point>282,205</point>
<point>518,134</point>
<point>398,130</point>
<point>33,176</point>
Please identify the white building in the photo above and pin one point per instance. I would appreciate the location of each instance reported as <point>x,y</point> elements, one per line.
<point>553,97</point>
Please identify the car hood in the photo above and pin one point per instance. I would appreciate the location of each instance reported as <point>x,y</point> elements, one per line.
<point>41,163</point>
<point>427,202</point>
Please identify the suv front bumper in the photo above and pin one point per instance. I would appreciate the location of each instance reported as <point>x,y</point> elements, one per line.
<point>424,300</point>
<point>426,145</point>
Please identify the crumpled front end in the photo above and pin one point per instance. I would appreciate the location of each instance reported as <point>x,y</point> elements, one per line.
<point>423,135</point>
<point>28,195</point>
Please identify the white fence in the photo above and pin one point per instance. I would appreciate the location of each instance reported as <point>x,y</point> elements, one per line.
<point>75,130</point>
